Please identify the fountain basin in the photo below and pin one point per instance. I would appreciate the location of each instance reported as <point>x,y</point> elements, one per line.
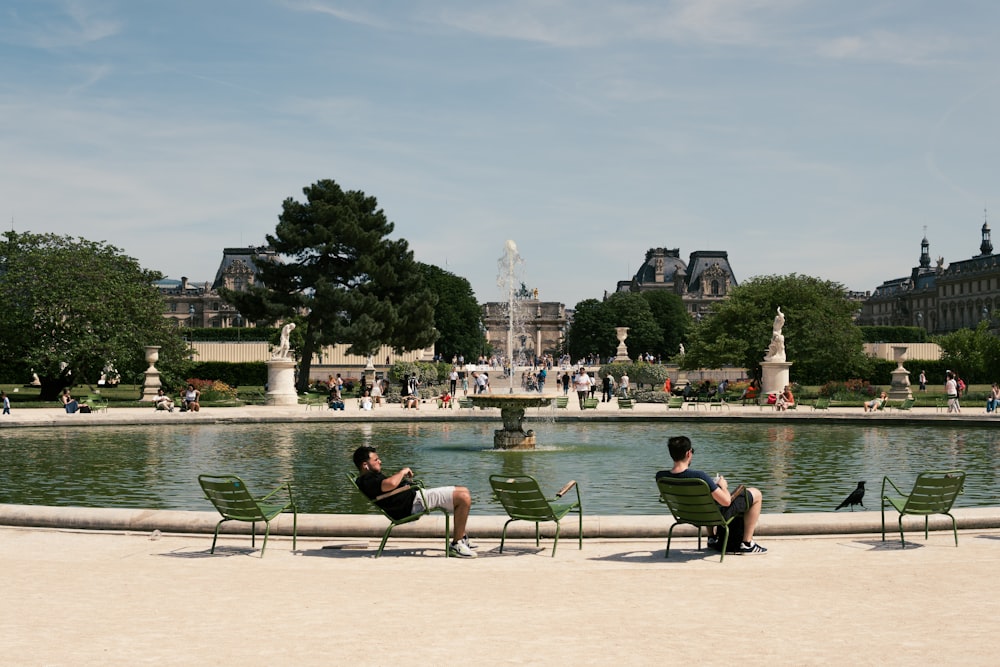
<point>512,407</point>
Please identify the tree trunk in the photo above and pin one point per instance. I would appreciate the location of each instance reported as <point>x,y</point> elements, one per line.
<point>52,387</point>
<point>305,365</point>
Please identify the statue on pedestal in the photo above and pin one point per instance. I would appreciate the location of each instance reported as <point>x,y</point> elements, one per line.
<point>776,350</point>
<point>283,351</point>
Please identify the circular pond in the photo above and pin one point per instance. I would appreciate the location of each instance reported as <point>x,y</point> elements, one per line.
<point>800,467</point>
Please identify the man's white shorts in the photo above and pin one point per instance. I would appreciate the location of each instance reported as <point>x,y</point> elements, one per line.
<point>439,496</point>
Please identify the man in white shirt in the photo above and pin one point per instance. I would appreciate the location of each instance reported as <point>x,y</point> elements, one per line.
<point>581,385</point>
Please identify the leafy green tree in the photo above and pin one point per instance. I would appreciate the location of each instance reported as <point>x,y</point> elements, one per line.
<point>670,314</point>
<point>629,309</point>
<point>344,280</point>
<point>821,339</point>
<point>972,353</point>
<point>457,316</point>
<point>592,331</point>
<point>594,323</point>
<point>71,307</point>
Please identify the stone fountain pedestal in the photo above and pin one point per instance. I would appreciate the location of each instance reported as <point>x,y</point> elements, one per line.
<point>900,388</point>
<point>512,407</point>
<point>281,383</point>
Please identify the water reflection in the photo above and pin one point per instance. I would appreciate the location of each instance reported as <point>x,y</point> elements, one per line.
<point>806,467</point>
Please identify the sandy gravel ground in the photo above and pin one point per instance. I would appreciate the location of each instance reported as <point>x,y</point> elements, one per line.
<point>107,598</point>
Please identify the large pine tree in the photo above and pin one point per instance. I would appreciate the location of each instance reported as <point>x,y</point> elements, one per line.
<point>341,278</point>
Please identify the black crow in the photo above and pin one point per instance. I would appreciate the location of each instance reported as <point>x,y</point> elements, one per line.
<point>857,495</point>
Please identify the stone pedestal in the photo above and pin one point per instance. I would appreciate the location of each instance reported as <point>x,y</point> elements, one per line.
<point>621,354</point>
<point>281,383</point>
<point>774,377</point>
<point>151,382</point>
<point>900,387</point>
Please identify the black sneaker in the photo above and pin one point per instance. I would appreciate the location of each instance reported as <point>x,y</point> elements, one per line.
<point>752,548</point>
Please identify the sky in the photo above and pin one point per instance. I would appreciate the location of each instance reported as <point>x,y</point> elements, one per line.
<point>818,137</point>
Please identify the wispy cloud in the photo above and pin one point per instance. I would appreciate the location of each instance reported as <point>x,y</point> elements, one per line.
<point>892,47</point>
<point>73,24</point>
<point>338,11</point>
<point>570,24</point>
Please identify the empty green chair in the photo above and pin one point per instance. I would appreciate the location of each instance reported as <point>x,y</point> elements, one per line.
<point>675,403</point>
<point>562,402</point>
<point>235,503</point>
<point>523,500</point>
<point>934,492</point>
<point>691,502</point>
<point>406,519</point>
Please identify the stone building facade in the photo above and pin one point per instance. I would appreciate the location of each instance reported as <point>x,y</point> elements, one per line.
<point>199,304</point>
<point>706,277</point>
<point>540,326</point>
<point>940,299</point>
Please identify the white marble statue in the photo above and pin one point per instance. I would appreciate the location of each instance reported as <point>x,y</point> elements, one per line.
<point>776,350</point>
<point>682,349</point>
<point>284,351</point>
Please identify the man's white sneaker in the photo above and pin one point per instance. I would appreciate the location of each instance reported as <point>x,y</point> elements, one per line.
<point>462,550</point>
<point>465,539</point>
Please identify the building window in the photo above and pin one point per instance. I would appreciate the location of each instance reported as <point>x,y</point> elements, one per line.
<point>715,288</point>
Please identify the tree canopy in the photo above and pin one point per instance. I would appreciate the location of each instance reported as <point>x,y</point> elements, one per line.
<point>656,324</point>
<point>340,278</point>
<point>457,316</point>
<point>71,307</point>
<point>821,339</point>
<point>972,353</point>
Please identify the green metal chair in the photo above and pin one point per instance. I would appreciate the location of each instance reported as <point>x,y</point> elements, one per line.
<point>562,402</point>
<point>934,492</point>
<point>523,500</point>
<point>235,503</point>
<point>407,519</point>
<point>97,403</point>
<point>822,403</point>
<point>691,502</point>
<point>625,403</point>
<point>906,405</point>
<point>675,403</point>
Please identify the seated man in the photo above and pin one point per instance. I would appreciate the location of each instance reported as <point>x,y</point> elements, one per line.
<point>875,403</point>
<point>405,501</point>
<point>335,402</point>
<point>747,503</point>
<point>162,401</point>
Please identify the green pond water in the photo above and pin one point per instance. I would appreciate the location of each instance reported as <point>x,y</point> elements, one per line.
<point>799,468</point>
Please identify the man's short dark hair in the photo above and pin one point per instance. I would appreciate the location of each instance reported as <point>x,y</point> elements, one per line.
<point>362,454</point>
<point>679,446</point>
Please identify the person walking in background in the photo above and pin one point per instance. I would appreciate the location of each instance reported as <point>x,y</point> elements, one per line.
<point>951,391</point>
<point>923,381</point>
<point>6,402</point>
<point>607,388</point>
<point>582,384</point>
